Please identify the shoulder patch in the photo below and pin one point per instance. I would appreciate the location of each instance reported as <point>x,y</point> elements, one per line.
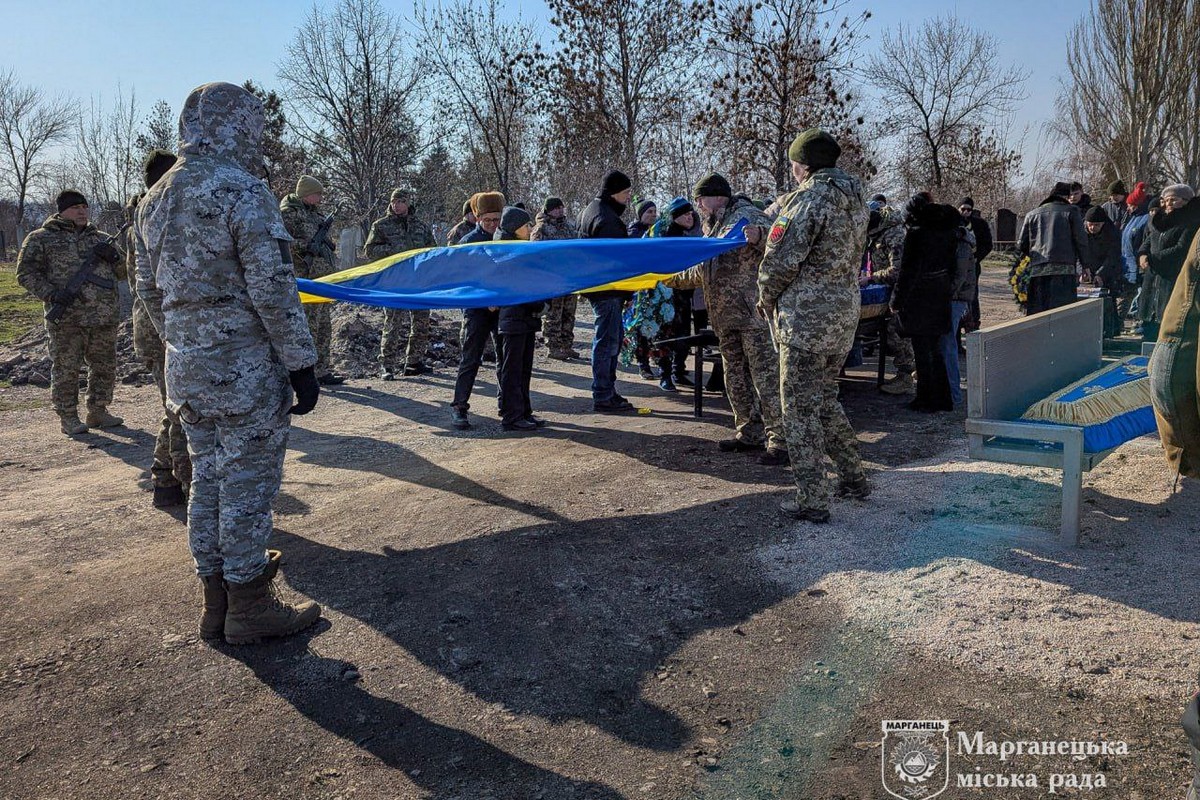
<point>778,229</point>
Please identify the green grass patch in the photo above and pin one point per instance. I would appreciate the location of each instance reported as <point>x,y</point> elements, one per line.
<point>19,310</point>
<point>999,261</point>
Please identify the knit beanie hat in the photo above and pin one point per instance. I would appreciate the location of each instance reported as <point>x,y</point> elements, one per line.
<point>551,204</point>
<point>1180,190</point>
<point>678,207</point>
<point>401,194</point>
<point>1096,214</point>
<point>69,198</point>
<point>1061,189</point>
<point>308,185</point>
<point>488,203</point>
<point>614,182</point>
<point>879,198</point>
<point>815,148</point>
<point>966,201</point>
<point>1137,196</point>
<point>156,165</point>
<point>1117,187</point>
<point>712,185</point>
<point>642,208</point>
<point>512,218</point>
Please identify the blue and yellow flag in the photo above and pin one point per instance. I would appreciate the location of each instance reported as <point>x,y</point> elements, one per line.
<point>510,273</point>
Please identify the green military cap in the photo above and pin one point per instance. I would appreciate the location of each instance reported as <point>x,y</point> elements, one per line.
<point>815,148</point>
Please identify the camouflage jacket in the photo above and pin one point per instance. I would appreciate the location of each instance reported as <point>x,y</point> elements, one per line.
<point>548,229</point>
<point>458,231</point>
<point>729,281</point>
<point>886,246</point>
<point>214,266</point>
<point>52,254</point>
<point>146,341</point>
<point>302,221</point>
<point>810,270</point>
<point>395,234</point>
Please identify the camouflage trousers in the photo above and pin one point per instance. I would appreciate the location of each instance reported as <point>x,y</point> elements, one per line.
<point>172,465</point>
<point>71,348</point>
<point>404,328</point>
<point>558,326</point>
<point>752,386</point>
<point>237,468</point>
<point>900,348</point>
<point>320,325</point>
<point>819,437</point>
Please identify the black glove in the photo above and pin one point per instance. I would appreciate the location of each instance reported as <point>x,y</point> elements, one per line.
<point>61,297</point>
<point>304,382</point>
<point>106,251</point>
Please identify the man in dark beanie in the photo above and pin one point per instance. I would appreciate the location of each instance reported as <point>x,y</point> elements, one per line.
<point>808,292</point>
<point>517,326</point>
<point>171,471</point>
<point>645,214</point>
<point>601,219</point>
<point>558,325</point>
<point>730,284</point>
<point>1116,209</point>
<point>464,226</point>
<point>1054,239</point>
<point>87,333</point>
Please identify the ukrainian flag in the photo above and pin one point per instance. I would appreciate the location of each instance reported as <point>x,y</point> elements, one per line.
<point>487,274</point>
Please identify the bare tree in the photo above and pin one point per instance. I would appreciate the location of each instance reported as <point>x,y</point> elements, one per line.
<point>938,83</point>
<point>777,72</point>
<point>30,124</point>
<point>1123,77</point>
<point>352,76</point>
<point>106,154</point>
<point>285,159</point>
<point>484,66</point>
<point>619,69</point>
<point>1183,104</point>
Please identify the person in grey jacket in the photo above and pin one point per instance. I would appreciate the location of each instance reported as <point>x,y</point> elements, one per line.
<point>1055,240</point>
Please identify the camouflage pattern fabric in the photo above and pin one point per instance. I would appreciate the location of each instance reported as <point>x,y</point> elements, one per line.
<point>214,270</point>
<point>302,221</point>
<point>819,437</point>
<point>752,386</point>
<point>809,273</point>
<point>558,324</point>
<point>886,247</point>
<point>458,232</point>
<point>391,235</point>
<point>87,333</point>
<point>172,466</point>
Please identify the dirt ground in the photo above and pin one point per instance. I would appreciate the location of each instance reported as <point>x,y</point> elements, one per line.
<point>608,609</point>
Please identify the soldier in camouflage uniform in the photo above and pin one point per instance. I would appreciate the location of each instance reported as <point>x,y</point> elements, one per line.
<point>464,226</point>
<point>213,268</point>
<point>558,326</point>
<point>87,333</point>
<point>397,232</point>
<point>885,245</point>
<point>808,288</point>
<point>730,284</point>
<point>171,470</point>
<point>302,216</point>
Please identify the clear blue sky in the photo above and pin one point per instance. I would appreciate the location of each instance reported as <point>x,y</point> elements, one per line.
<point>163,49</point>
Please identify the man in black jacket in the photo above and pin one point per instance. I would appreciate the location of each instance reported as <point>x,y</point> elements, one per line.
<point>517,326</point>
<point>983,245</point>
<point>602,220</point>
<point>1054,239</point>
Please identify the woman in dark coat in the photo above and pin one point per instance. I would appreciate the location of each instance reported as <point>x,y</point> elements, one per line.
<point>1169,234</point>
<point>922,295</point>
<point>517,328</point>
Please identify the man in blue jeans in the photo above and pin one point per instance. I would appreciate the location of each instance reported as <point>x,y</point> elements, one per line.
<point>963,291</point>
<point>602,220</point>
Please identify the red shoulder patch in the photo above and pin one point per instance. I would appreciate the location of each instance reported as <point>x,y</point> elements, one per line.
<point>778,230</point>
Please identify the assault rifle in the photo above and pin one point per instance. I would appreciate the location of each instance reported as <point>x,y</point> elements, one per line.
<point>85,274</point>
<point>319,244</point>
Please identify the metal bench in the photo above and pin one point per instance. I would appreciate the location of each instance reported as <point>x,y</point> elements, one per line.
<point>1013,365</point>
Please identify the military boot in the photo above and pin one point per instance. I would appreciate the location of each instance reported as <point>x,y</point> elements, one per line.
<point>817,516</point>
<point>256,612</point>
<point>169,496</point>
<point>71,424</point>
<point>216,604</point>
<point>100,418</point>
<point>901,384</point>
<point>1191,726</point>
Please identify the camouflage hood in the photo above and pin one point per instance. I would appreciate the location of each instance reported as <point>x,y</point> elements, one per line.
<point>220,119</point>
<point>56,222</point>
<point>848,185</point>
<point>292,203</point>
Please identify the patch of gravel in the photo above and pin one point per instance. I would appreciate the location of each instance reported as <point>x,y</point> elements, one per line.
<point>953,558</point>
